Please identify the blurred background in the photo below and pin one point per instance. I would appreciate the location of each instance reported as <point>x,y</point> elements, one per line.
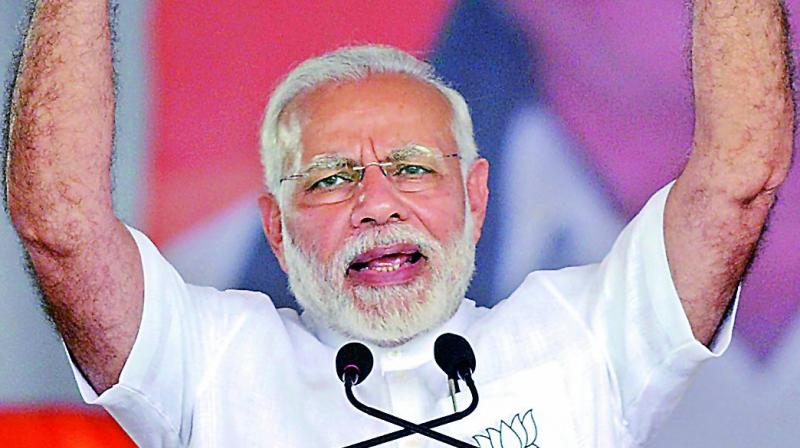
<point>582,107</point>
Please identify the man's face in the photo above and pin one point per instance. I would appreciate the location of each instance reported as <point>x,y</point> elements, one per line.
<point>382,264</point>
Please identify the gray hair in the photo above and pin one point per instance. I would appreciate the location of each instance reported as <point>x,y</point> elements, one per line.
<point>280,136</point>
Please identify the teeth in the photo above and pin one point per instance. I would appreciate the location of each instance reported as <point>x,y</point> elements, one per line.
<point>385,268</point>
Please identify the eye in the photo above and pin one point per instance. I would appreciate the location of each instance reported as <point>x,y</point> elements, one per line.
<point>331,182</point>
<point>412,170</point>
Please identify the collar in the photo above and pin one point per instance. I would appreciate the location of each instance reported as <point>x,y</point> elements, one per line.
<point>406,356</point>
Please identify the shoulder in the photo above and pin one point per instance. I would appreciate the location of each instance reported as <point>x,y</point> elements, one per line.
<point>236,305</point>
<point>546,302</point>
<point>553,288</point>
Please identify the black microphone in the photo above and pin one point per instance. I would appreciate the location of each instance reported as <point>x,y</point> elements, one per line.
<point>353,364</point>
<point>454,355</point>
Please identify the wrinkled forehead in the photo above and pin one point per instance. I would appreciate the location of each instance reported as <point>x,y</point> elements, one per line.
<point>371,118</point>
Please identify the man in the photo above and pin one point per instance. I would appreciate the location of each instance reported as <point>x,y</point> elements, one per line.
<point>375,200</point>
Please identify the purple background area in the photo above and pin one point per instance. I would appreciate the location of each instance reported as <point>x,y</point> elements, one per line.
<point>616,73</point>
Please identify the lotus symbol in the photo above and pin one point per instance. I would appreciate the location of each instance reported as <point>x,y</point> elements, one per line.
<point>521,433</point>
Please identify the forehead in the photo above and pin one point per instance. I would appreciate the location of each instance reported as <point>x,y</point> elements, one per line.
<point>376,115</point>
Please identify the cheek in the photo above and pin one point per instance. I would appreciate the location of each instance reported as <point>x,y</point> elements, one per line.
<point>442,213</point>
<point>320,240</point>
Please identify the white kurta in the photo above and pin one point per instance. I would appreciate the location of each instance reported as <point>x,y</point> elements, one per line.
<point>592,356</point>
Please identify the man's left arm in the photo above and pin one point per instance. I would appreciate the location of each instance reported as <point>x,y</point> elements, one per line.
<point>742,148</point>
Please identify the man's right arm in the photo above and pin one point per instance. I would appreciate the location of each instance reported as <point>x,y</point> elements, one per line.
<point>59,185</point>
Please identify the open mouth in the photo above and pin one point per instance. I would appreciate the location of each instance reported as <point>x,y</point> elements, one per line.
<point>387,265</point>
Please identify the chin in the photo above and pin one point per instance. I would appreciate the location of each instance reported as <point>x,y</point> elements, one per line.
<point>389,315</point>
<point>392,315</point>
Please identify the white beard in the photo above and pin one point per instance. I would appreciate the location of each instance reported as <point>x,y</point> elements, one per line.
<point>383,315</point>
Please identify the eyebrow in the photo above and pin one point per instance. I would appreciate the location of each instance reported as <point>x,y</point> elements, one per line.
<point>328,161</point>
<point>410,149</point>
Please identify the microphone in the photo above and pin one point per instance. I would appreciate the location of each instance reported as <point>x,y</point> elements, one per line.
<point>354,362</point>
<point>454,355</point>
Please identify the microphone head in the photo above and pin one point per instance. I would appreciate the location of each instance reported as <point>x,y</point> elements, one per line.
<point>454,355</point>
<point>353,362</point>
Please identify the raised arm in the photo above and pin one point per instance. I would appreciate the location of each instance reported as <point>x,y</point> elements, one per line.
<point>743,137</point>
<point>59,189</point>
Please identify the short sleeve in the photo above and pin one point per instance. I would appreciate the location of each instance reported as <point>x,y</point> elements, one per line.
<point>154,396</point>
<point>634,311</point>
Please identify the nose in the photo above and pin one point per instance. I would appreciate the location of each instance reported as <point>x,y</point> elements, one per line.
<point>377,201</point>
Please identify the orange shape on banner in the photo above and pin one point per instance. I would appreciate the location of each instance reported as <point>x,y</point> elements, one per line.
<point>60,427</point>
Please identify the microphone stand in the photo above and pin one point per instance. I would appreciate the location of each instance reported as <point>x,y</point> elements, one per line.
<point>410,428</point>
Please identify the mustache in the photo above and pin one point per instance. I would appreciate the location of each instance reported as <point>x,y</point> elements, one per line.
<point>385,235</point>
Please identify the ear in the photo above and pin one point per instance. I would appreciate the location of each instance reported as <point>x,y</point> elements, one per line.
<point>478,194</point>
<point>273,228</point>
